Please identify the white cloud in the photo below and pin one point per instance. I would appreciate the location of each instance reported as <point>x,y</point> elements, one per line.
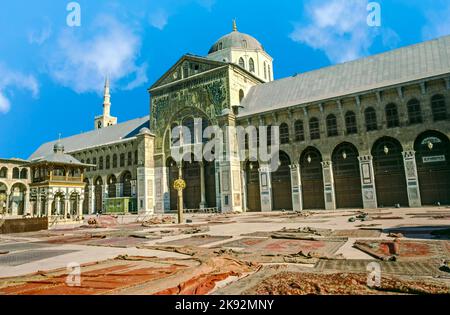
<point>159,18</point>
<point>107,48</point>
<point>438,21</point>
<point>339,28</point>
<point>41,36</point>
<point>11,80</point>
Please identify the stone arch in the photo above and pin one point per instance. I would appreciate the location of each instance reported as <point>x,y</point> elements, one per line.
<point>173,173</point>
<point>98,191</point>
<point>125,180</point>
<point>347,177</point>
<point>4,172</point>
<point>112,182</point>
<point>433,167</point>
<point>281,184</point>
<point>86,196</point>
<point>312,179</point>
<point>4,192</point>
<point>390,179</point>
<point>253,186</point>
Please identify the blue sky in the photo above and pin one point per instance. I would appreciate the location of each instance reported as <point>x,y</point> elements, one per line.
<point>51,75</point>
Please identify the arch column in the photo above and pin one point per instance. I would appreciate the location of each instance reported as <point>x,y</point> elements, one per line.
<point>369,194</point>
<point>66,206</point>
<point>265,185</point>
<point>91,206</point>
<point>202,186</point>
<point>412,178</point>
<point>328,182</point>
<point>244,189</point>
<point>80,206</point>
<point>296,184</point>
<point>49,206</point>
<point>26,204</point>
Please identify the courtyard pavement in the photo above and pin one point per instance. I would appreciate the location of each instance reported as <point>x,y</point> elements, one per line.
<point>333,236</point>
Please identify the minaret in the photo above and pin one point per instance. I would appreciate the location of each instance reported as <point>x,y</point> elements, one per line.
<point>106,99</point>
<point>106,119</point>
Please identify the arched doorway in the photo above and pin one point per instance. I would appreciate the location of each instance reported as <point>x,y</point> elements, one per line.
<point>281,184</point>
<point>433,167</point>
<point>389,171</point>
<point>126,182</point>
<point>347,178</point>
<point>210,184</point>
<point>253,189</point>
<point>173,176</point>
<point>192,193</point>
<point>312,179</point>
<point>74,200</point>
<point>17,199</point>
<point>86,197</point>
<point>98,194</point>
<point>112,182</point>
<point>3,198</point>
<point>58,204</point>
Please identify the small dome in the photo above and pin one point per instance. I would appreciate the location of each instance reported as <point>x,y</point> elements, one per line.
<point>144,131</point>
<point>58,148</point>
<point>236,40</point>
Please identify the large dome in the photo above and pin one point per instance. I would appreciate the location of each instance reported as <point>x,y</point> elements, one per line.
<point>236,40</point>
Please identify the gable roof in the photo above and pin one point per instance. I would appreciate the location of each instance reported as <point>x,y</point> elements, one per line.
<point>428,59</point>
<point>161,81</point>
<point>111,134</point>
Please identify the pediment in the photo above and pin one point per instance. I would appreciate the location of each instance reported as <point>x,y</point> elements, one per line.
<point>186,67</point>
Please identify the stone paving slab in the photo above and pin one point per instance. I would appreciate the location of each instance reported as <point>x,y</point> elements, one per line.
<point>17,259</point>
<point>12,247</point>
<point>424,268</point>
<point>197,240</point>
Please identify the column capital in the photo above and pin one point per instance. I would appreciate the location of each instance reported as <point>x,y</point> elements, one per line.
<point>294,166</point>
<point>365,158</point>
<point>409,154</point>
<point>326,164</point>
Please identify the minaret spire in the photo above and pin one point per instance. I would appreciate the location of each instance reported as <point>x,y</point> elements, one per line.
<point>234,26</point>
<point>106,99</point>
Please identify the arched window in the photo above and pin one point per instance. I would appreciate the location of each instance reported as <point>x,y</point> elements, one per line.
<point>269,72</point>
<point>314,128</point>
<point>241,95</point>
<point>252,65</point>
<point>269,135</point>
<point>130,159</point>
<point>175,132</point>
<point>265,70</point>
<point>371,119</point>
<point>392,119</point>
<point>439,108</point>
<point>414,112</point>
<point>350,123</point>
<point>114,161</point>
<point>94,161</point>
<point>136,157</point>
<point>16,173</point>
<point>242,62</point>
<point>332,129</point>
<point>24,173</point>
<point>122,160</point>
<point>88,161</point>
<point>299,131</point>
<point>108,162</point>
<point>3,172</point>
<point>189,137</point>
<point>100,163</point>
<point>284,133</point>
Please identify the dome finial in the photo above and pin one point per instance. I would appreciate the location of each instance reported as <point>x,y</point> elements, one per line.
<point>234,25</point>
